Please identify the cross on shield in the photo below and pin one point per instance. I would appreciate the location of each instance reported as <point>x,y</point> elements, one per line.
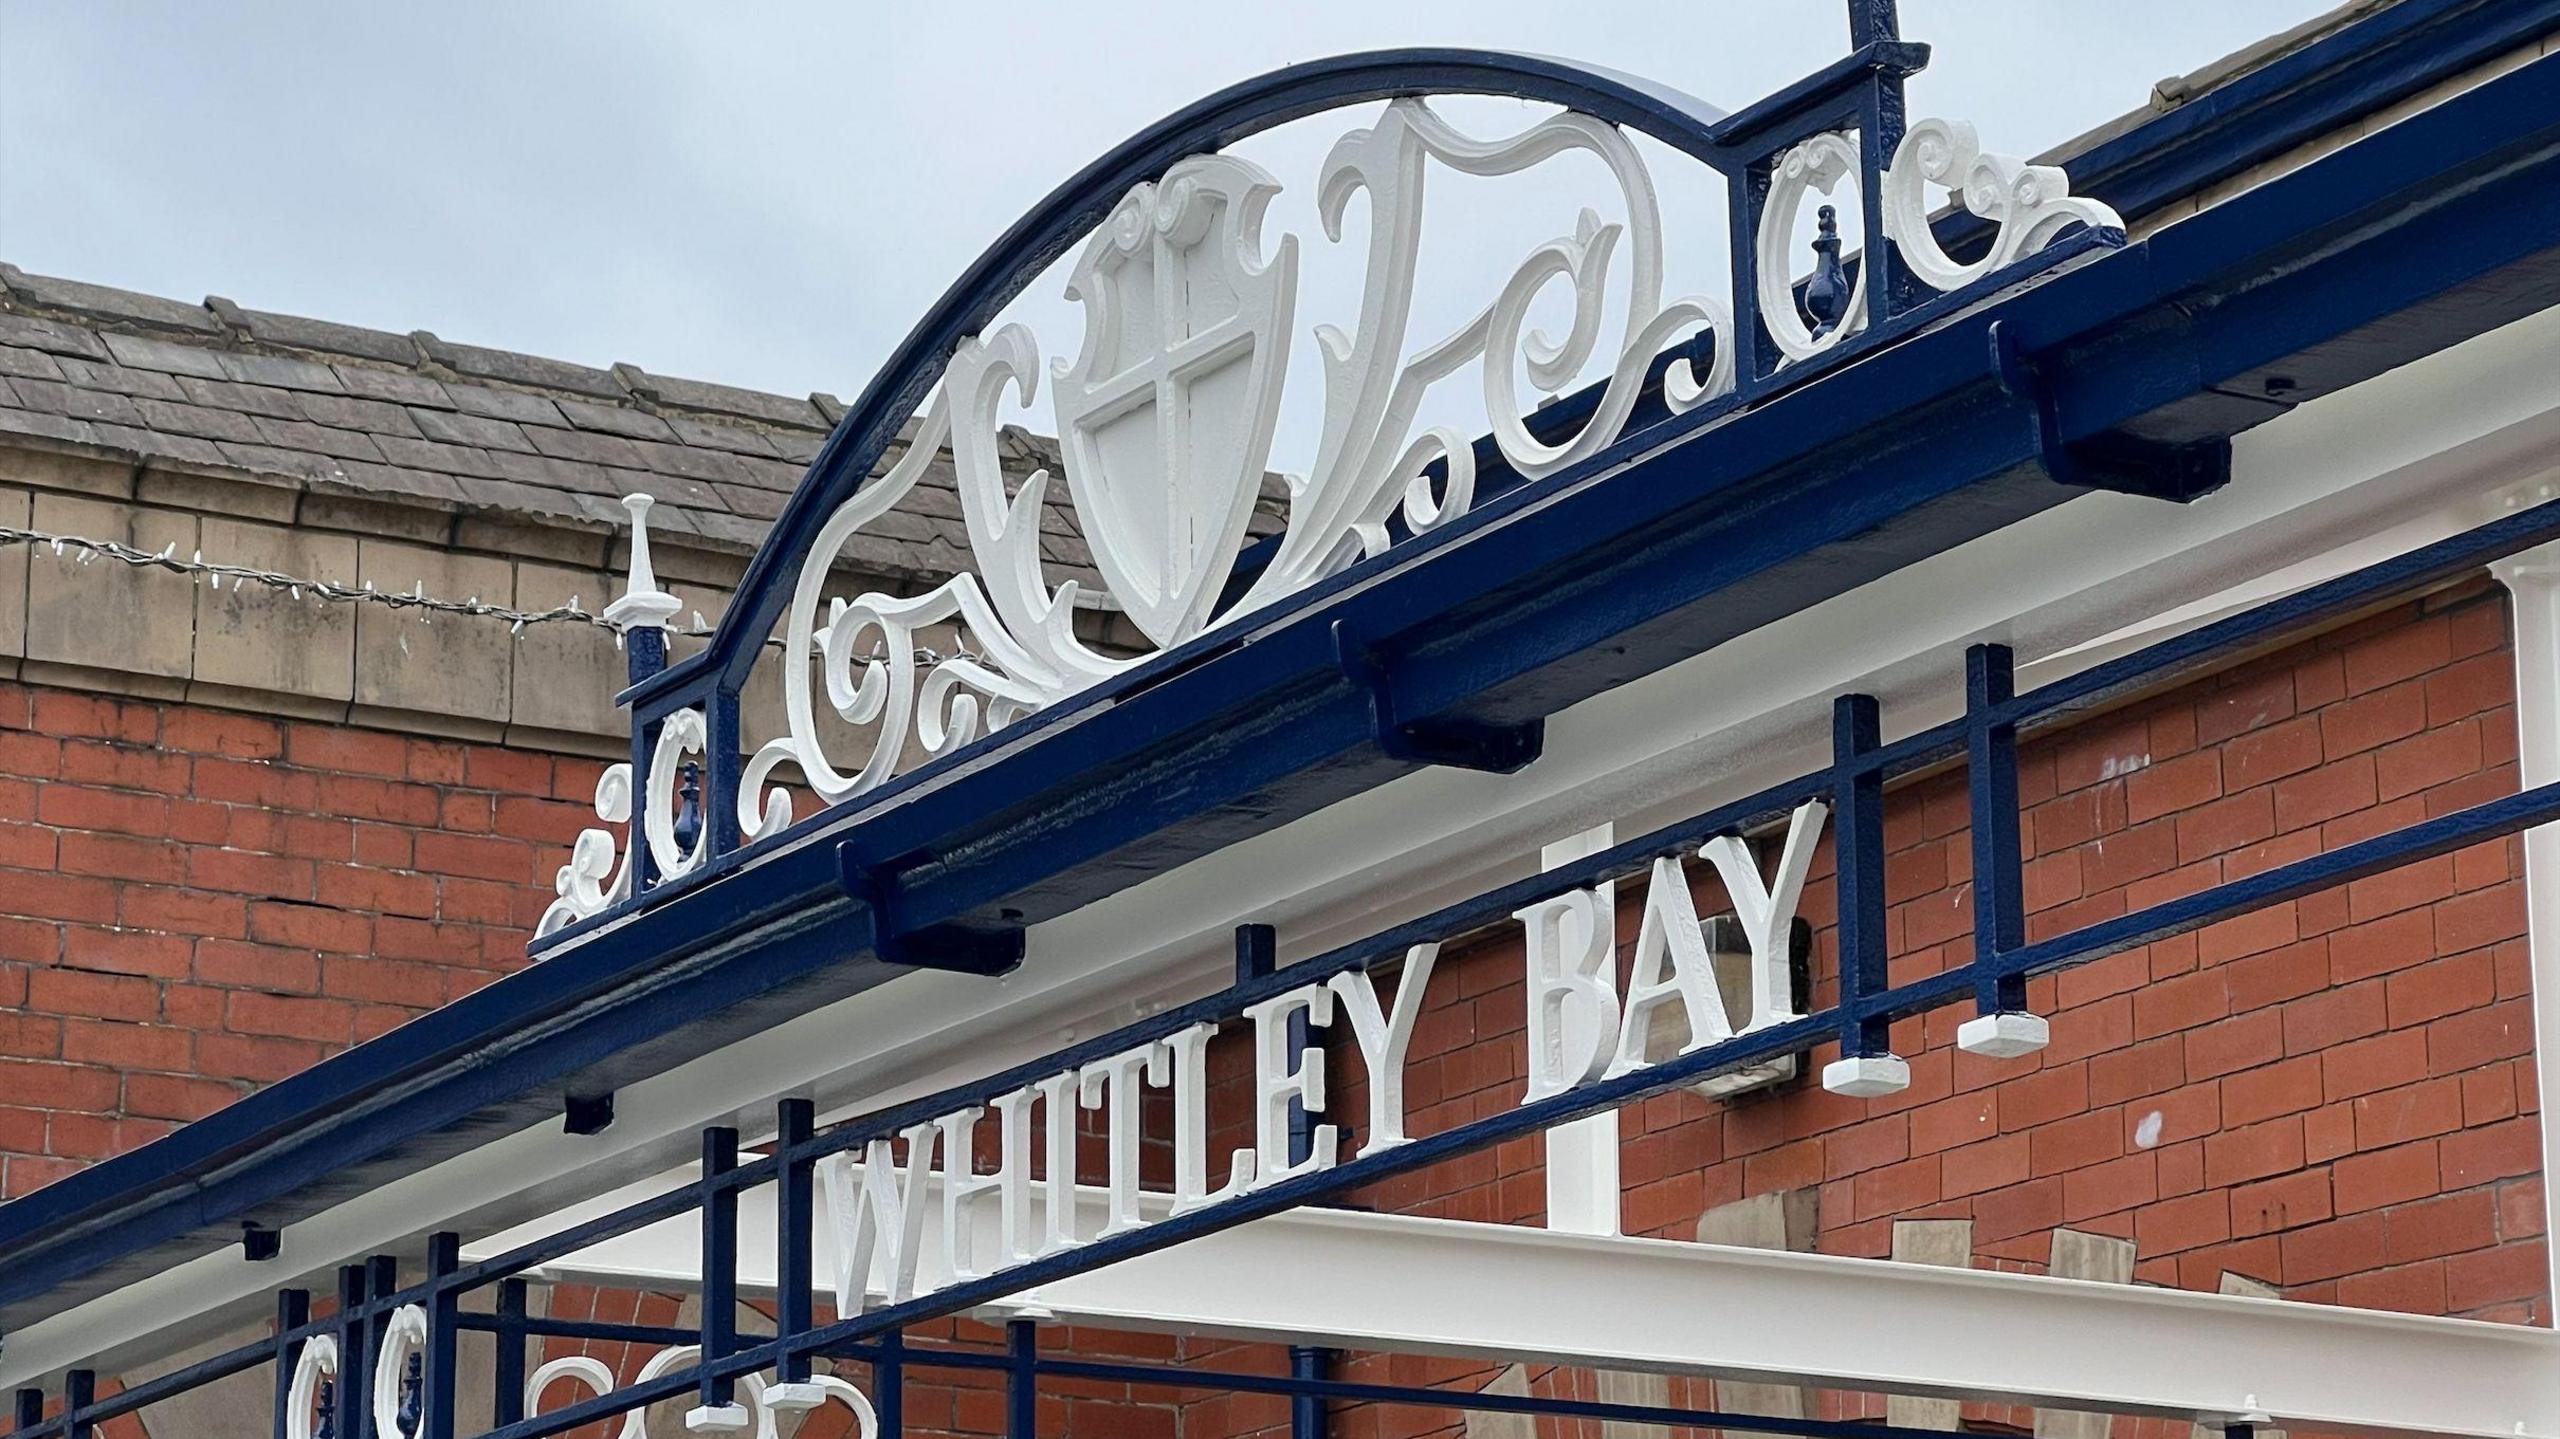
<point>1166,415</point>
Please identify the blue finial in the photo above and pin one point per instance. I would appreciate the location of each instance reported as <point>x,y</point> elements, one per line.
<point>1826,295</point>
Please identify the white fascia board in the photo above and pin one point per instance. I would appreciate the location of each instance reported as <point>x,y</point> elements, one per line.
<point>1400,1284</point>
<point>2414,452</point>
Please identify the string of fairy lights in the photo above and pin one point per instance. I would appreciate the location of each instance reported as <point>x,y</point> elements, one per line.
<point>217,574</point>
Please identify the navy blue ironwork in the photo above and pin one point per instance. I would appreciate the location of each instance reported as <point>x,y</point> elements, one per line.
<point>1985,736</point>
<point>1863,92</point>
<point>2435,229</point>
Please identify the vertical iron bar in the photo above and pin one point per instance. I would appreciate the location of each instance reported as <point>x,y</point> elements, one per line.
<point>1999,910</point>
<point>1881,123</point>
<point>723,770</point>
<point>507,1404</point>
<point>382,1279</point>
<point>1746,194</point>
<point>1857,798</point>
<point>719,1262</point>
<point>1306,1410</point>
<point>444,1325</point>
<point>79,1391</point>
<point>889,1385</point>
<point>293,1310</point>
<point>30,1409</point>
<point>353,1371</point>
<point>1873,22</point>
<point>796,1211</point>
<point>1022,1380</point>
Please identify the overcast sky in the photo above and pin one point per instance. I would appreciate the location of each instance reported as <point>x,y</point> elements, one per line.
<point>769,194</point>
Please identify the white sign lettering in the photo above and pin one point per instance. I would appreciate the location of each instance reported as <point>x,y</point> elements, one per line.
<point>1578,1030</point>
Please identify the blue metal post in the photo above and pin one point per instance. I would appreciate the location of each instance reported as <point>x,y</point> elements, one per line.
<point>507,1403</point>
<point>1022,1380</point>
<point>444,1327</point>
<point>1991,748</point>
<point>796,1211</point>
<point>889,1385</point>
<point>354,1368</point>
<point>29,1409</point>
<point>293,1310</point>
<point>1857,799</point>
<point>719,1262</point>
<point>79,1391</point>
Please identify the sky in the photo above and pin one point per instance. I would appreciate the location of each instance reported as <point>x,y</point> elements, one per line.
<point>769,194</point>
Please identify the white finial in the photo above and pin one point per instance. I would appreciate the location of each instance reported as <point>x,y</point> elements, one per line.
<point>642,602</point>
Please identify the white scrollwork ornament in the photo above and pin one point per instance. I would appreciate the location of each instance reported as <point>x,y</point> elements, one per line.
<point>598,874</point>
<point>1816,166</point>
<point>765,1402</point>
<point>2032,204</point>
<point>405,1335</point>
<point>317,1365</point>
<point>1166,414</point>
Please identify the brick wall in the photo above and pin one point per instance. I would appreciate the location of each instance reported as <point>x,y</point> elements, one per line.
<point>195,902</point>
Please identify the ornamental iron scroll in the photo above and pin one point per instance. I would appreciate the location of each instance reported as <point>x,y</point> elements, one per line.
<point>1165,414</point>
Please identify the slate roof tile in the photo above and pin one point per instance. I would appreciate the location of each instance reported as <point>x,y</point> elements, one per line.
<point>107,303</point>
<point>62,399</point>
<point>197,420</point>
<point>281,372</point>
<point>248,399</point>
<point>585,445</point>
<point>318,439</point>
<point>460,429</point>
<point>344,409</point>
<point>341,412</point>
<point>614,420</point>
<point>116,379</point>
<point>31,364</point>
<point>159,444</point>
<point>512,406</point>
<point>326,336</point>
<point>397,386</point>
<point>142,352</point>
<point>51,337</point>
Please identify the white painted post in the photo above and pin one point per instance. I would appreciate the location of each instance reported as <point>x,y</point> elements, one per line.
<point>1582,1157</point>
<point>2533,585</point>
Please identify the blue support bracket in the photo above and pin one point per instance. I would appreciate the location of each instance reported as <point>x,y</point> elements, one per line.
<point>2117,462</point>
<point>587,1113</point>
<point>1455,743</point>
<point>961,949</point>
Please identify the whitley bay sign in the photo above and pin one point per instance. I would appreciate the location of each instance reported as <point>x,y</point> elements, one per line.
<point>1581,1028</point>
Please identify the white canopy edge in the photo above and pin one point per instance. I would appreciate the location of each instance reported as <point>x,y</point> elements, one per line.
<point>1400,1284</point>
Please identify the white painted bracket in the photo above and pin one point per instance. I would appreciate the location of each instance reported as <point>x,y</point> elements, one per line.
<point>1868,1076</point>
<point>2004,1036</point>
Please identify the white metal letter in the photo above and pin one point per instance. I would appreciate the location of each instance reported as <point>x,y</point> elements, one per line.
<point>1384,1038</point>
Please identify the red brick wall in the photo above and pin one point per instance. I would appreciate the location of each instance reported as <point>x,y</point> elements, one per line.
<point>195,902</point>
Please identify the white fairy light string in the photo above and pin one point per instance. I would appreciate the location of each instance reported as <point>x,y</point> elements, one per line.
<point>217,573</point>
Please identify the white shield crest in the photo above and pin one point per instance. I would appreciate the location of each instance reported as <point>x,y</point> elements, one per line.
<point>1166,415</point>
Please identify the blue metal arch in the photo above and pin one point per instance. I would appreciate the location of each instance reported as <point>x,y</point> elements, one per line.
<point>1071,211</point>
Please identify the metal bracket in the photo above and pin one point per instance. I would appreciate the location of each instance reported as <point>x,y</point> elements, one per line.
<point>1455,743</point>
<point>2120,463</point>
<point>960,949</point>
<point>588,1113</point>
